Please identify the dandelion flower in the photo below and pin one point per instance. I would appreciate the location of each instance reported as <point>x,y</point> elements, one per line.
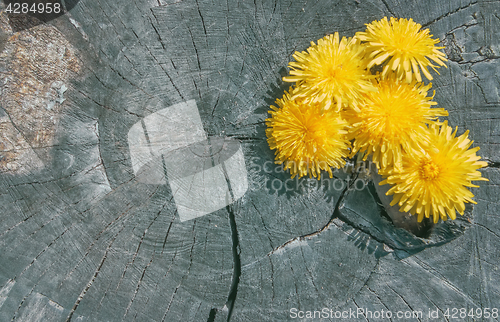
<point>407,46</point>
<point>331,71</point>
<point>306,140</point>
<point>433,181</point>
<point>392,120</point>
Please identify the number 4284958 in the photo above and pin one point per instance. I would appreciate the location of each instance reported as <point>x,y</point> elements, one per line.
<point>17,7</point>
<point>462,313</point>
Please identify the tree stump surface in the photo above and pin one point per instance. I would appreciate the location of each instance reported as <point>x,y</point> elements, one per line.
<point>92,199</point>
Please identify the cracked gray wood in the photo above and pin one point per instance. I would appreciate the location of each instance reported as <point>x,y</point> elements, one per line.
<point>83,239</point>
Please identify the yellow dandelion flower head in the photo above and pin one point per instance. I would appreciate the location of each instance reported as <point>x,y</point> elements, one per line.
<point>306,140</point>
<point>407,46</point>
<point>433,181</point>
<point>392,120</point>
<point>330,72</point>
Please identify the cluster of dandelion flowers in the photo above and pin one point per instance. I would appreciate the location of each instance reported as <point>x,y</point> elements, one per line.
<point>330,72</point>
<point>338,108</point>
<point>392,120</point>
<point>306,140</point>
<point>433,181</point>
<point>408,47</point>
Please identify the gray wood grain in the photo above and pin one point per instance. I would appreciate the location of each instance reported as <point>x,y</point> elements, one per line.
<point>84,239</point>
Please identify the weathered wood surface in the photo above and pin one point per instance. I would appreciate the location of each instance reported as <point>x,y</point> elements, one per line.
<point>83,239</point>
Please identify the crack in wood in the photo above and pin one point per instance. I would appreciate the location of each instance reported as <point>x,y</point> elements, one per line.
<point>212,314</point>
<point>96,273</point>
<point>388,8</point>
<point>334,215</point>
<point>448,14</point>
<point>406,302</point>
<point>492,164</point>
<point>231,298</point>
<point>183,277</point>
<point>435,273</point>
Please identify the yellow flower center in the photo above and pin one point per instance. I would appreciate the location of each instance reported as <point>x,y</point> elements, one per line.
<point>334,71</point>
<point>337,74</point>
<point>403,45</point>
<point>429,170</point>
<point>313,136</point>
<point>307,140</point>
<point>394,110</point>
